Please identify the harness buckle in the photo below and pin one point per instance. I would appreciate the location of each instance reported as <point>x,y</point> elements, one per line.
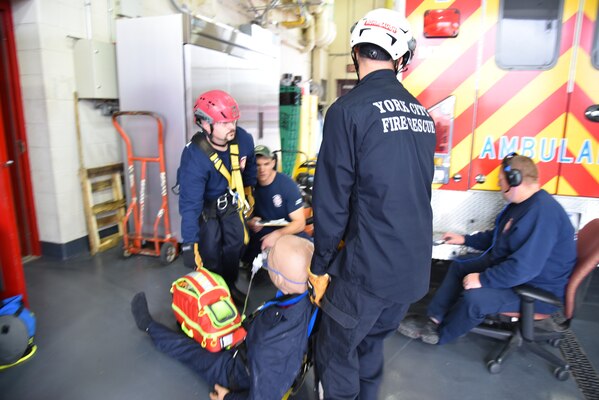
<point>222,202</point>
<point>234,196</point>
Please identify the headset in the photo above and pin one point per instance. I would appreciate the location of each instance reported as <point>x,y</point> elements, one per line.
<point>512,175</point>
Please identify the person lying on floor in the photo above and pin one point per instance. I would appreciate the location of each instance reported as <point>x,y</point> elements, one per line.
<point>268,361</point>
<point>532,243</point>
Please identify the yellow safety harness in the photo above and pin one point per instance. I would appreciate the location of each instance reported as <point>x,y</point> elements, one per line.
<point>233,178</point>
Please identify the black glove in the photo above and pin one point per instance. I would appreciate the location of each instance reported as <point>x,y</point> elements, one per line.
<point>191,256</point>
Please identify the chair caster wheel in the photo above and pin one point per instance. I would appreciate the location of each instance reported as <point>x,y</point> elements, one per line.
<point>494,367</point>
<point>562,373</point>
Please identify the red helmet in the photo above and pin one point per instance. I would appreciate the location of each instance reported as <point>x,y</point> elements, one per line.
<point>216,106</point>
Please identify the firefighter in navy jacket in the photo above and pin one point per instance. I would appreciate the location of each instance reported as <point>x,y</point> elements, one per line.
<point>216,174</point>
<point>532,243</point>
<point>372,190</point>
<point>277,337</point>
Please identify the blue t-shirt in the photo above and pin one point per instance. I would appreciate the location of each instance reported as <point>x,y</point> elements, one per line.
<point>277,200</point>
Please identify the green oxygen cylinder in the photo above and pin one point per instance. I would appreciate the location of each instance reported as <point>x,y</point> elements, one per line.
<point>290,102</point>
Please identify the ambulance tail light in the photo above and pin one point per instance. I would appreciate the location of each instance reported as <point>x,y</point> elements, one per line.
<point>442,23</point>
<point>443,115</point>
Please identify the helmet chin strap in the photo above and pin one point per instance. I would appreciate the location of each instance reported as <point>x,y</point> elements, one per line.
<point>356,67</point>
<point>209,134</point>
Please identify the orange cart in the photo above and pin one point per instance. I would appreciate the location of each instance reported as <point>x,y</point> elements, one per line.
<point>165,247</point>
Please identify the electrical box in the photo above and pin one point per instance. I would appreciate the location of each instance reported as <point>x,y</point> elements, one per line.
<point>95,69</point>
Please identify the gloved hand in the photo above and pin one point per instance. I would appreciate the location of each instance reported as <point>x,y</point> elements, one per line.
<point>317,285</point>
<point>249,197</point>
<point>191,256</point>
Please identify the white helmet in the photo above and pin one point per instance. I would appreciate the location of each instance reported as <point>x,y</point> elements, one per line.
<point>387,29</point>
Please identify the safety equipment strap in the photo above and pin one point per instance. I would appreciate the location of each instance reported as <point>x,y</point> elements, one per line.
<point>197,257</point>
<point>249,196</point>
<point>233,178</point>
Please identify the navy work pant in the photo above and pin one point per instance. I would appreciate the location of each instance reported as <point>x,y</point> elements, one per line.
<point>221,243</point>
<point>214,368</point>
<point>460,310</point>
<point>349,357</point>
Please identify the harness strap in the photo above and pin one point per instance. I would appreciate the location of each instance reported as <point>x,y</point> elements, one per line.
<point>200,140</point>
<point>237,181</point>
<point>237,186</point>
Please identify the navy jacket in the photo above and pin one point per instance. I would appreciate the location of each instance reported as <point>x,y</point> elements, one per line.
<point>534,244</point>
<point>276,341</point>
<point>373,189</point>
<point>199,181</point>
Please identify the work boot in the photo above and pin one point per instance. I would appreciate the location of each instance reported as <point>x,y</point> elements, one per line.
<point>139,309</point>
<point>549,325</point>
<point>245,266</point>
<point>419,327</point>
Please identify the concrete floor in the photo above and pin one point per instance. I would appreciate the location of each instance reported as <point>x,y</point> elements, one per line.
<point>90,348</point>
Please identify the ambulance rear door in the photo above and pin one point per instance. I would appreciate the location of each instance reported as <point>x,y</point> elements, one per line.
<point>579,170</point>
<point>522,89</point>
<point>442,76</point>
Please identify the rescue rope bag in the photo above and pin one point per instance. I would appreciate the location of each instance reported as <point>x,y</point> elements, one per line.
<point>17,329</point>
<point>203,306</point>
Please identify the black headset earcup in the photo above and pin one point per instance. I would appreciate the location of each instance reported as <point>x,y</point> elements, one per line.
<point>514,177</point>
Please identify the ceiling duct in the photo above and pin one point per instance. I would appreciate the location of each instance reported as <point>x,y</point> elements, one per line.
<point>205,32</point>
<point>326,29</point>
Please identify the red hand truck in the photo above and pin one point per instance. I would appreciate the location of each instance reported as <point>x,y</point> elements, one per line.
<point>135,242</point>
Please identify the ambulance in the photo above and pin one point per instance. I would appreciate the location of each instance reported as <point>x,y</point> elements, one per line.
<point>502,76</point>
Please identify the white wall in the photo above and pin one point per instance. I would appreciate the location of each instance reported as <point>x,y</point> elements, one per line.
<point>45,33</point>
<point>346,13</point>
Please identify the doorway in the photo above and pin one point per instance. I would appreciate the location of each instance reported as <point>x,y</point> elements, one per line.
<point>12,136</point>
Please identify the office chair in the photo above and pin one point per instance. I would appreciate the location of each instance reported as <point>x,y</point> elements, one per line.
<point>523,333</point>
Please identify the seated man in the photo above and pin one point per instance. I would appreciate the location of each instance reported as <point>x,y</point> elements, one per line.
<point>532,243</point>
<point>269,359</point>
<point>276,197</point>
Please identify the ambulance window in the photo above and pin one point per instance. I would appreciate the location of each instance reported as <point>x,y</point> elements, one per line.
<point>595,49</point>
<point>528,34</point>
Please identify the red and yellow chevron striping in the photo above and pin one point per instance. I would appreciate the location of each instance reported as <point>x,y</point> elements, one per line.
<point>537,112</point>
